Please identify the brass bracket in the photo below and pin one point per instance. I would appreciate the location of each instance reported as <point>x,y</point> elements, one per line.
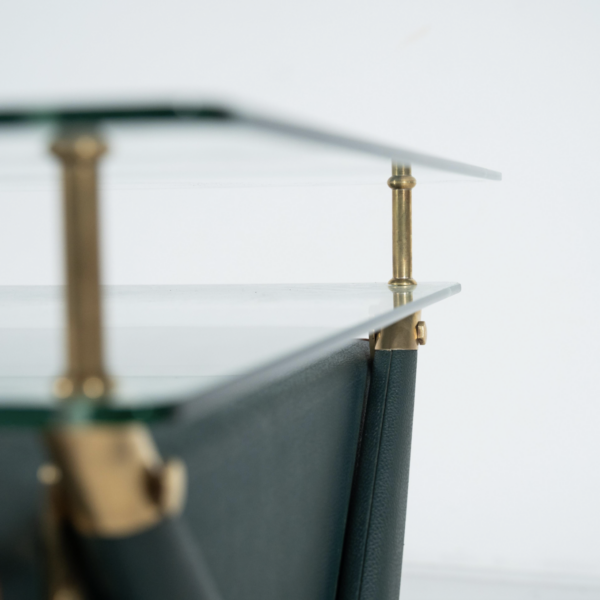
<point>113,479</point>
<point>407,334</point>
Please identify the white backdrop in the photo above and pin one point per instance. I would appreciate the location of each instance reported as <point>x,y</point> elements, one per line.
<point>506,458</point>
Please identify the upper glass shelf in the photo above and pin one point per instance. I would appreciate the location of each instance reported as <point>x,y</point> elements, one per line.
<point>176,351</point>
<point>201,147</point>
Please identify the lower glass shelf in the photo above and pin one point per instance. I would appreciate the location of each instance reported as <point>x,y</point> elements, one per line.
<point>175,351</point>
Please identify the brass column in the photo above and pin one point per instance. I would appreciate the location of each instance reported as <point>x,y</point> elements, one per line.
<point>402,182</point>
<point>113,481</point>
<point>79,154</point>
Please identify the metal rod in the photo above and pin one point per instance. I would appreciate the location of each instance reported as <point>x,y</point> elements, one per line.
<point>402,183</point>
<point>79,154</point>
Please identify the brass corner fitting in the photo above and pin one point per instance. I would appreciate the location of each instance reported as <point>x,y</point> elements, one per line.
<point>112,479</point>
<point>79,154</point>
<point>402,182</point>
<point>407,334</point>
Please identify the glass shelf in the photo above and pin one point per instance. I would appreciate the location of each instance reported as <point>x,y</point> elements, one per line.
<point>170,148</point>
<point>175,351</point>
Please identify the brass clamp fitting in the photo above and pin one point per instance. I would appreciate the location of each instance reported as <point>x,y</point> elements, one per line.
<point>113,480</point>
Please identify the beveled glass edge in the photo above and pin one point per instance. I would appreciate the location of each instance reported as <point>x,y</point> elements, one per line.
<point>93,115</point>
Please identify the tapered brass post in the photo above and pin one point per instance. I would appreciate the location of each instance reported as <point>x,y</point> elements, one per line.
<point>402,183</point>
<point>79,154</point>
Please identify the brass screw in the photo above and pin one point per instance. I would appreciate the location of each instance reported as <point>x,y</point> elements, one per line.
<point>421,330</point>
<point>63,388</point>
<point>93,387</point>
<point>49,474</point>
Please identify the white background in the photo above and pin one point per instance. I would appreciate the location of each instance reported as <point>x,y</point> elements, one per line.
<point>506,459</point>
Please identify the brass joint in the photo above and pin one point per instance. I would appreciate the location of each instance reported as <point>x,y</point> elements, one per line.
<point>407,334</point>
<point>402,183</point>
<point>78,148</point>
<point>113,479</point>
<point>79,154</point>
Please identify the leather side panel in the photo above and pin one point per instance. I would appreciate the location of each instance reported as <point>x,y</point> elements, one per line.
<point>270,481</point>
<point>375,536</point>
<point>21,499</point>
<point>162,562</point>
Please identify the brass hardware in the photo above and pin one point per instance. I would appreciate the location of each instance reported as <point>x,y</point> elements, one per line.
<point>111,479</point>
<point>115,483</point>
<point>79,154</point>
<point>410,332</point>
<point>49,474</point>
<point>404,334</point>
<point>93,387</point>
<point>63,388</point>
<point>402,183</point>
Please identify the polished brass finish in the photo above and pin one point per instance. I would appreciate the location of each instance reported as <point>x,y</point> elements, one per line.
<point>79,154</point>
<point>404,334</point>
<point>402,183</point>
<point>114,481</point>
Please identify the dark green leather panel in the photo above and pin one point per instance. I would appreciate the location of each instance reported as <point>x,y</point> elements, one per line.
<point>373,550</point>
<point>270,479</point>
<point>163,562</point>
<point>21,453</point>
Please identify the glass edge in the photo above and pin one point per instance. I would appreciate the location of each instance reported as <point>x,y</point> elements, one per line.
<point>250,382</point>
<point>246,383</point>
<point>71,116</point>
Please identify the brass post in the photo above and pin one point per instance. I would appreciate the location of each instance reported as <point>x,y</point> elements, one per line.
<point>110,478</point>
<point>411,332</point>
<point>79,154</point>
<point>402,183</point>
